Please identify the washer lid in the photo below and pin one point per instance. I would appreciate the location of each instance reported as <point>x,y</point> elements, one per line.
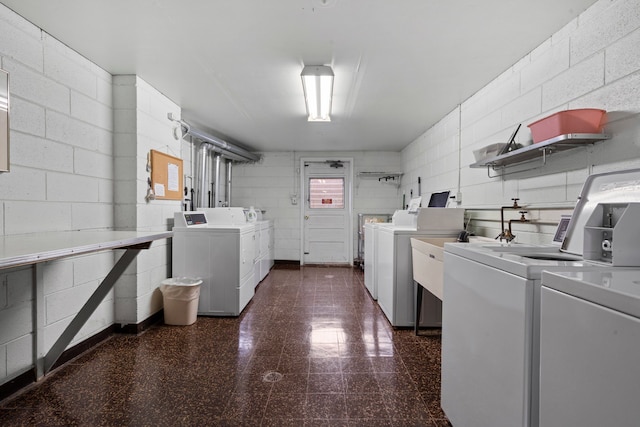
<point>526,261</point>
<point>616,288</point>
<point>610,187</point>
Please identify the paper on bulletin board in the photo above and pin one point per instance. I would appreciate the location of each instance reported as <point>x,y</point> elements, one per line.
<point>173,177</point>
<point>158,190</point>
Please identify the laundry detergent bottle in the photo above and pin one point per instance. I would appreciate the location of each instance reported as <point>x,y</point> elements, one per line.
<point>252,216</point>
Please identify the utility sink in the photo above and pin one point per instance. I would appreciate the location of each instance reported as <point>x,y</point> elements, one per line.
<point>428,258</point>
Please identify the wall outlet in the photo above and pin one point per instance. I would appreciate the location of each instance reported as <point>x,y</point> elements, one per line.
<point>294,199</point>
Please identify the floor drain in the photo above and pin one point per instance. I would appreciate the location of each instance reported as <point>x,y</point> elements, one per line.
<point>272,377</point>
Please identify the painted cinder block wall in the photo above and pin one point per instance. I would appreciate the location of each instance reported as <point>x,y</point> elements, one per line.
<point>79,144</point>
<point>141,125</point>
<point>593,62</point>
<point>61,179</point>
<point>269,184</point>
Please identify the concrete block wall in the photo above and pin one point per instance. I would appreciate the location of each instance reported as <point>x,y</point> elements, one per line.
<point>79,145</point>
<point>270,183</point>
<point>61,179</point>
<point>142,125</point>
<point>593,62</point>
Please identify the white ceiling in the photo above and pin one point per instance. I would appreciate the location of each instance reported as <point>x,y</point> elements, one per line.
<point>234,65</point>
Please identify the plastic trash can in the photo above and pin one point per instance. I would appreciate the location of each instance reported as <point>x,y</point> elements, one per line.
<point>180,296</point>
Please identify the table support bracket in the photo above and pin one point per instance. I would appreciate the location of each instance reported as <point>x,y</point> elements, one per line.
<point>90,306</point>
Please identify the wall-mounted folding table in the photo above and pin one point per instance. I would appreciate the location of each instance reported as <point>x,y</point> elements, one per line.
<point>32,249</point>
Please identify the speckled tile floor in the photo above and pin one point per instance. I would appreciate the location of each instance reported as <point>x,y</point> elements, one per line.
<point>340,364</point>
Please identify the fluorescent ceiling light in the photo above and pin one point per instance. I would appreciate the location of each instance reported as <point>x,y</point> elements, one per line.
<point>317,82</point>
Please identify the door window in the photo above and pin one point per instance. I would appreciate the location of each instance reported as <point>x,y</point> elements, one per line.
<point>326,193</point>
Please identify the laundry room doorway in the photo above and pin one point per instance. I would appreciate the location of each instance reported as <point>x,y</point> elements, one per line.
<point>327,211</point>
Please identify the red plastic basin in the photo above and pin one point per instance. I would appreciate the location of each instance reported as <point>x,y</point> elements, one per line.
<point>584,120</point>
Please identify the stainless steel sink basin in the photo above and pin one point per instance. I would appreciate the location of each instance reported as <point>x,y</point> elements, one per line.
<point>517,249</point>
<point>544,253</point>
<point>553,257</point>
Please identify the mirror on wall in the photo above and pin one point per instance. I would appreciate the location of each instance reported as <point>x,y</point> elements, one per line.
<point>4,121</point>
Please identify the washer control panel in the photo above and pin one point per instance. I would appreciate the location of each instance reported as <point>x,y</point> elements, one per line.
<point>190,219</point>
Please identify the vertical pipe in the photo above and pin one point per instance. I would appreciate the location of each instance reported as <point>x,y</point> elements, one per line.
<point>216,187</point>
<point>202,176</point>
<point>227,193</point>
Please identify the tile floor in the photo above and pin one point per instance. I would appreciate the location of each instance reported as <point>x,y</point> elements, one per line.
<point>312,348</point>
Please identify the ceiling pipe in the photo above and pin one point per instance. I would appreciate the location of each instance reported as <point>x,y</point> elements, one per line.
<point>216,185</point>
<point>228,150</point>
<point>202,177</point>
<point>227,193</point>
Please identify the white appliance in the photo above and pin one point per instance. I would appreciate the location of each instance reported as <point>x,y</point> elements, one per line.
<point>264,249</point>
<point>589,346</point>
<point>370,255</point>
<point>370,238</point>
<point>216,245</point>
<point>491,312</point>
<point>394,276</point>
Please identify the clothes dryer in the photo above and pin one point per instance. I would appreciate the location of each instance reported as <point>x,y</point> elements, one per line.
<point>216,245</point>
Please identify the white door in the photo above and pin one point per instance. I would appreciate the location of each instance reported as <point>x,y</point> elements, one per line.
<point>327,217</point>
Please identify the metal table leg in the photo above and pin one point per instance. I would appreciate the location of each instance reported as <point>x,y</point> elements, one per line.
<point>419,290</point>
<point>90,306</point>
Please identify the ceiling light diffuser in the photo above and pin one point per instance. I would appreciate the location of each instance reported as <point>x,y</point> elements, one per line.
<point>317,82</point>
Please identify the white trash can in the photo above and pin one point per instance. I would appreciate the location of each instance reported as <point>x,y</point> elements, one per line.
<point>180,296</point>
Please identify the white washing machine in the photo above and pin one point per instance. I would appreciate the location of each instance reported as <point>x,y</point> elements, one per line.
<point>263,246</point>
<point>216,245</point>
<point>264,257</point>
<point>370,255</point>
<point>491,310</point>
<point>394,275</point>
<point>589,347</point>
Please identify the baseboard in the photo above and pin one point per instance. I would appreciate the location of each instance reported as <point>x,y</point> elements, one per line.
<point>330,265</point>
<point>136,328</point>
<point>281,264</point>
<point>83,346</point>
<point>21,381</point>
<point>284,264</point>
<point>18,383</point>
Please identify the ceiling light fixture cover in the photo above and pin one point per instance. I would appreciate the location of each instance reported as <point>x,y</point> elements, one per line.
<point>317,82</point>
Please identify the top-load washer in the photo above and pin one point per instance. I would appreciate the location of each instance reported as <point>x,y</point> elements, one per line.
<point>589,346</point>
<point>216,245</point>
<point>491,307</point>
<point>394,277</point>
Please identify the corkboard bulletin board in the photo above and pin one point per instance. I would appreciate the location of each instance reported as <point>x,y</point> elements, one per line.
<point>166,176</point>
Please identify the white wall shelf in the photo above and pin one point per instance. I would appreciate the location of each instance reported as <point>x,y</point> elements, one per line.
<point>538,150</point>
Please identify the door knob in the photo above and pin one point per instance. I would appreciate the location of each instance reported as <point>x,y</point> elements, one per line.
<point>306,217</point>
